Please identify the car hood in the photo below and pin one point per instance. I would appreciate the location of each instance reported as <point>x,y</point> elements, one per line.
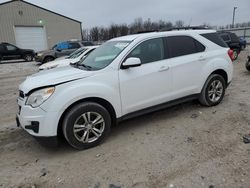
<point>62,62</point>
<point>53,77</point>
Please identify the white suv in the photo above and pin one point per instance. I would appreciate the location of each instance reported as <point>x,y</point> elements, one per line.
<point>123,78</point>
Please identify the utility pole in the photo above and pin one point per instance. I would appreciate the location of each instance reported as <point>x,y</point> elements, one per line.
<point>233,16</point>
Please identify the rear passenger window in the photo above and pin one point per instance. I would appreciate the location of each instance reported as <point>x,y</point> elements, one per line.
<point>149,51</point>
<point>183,45</point>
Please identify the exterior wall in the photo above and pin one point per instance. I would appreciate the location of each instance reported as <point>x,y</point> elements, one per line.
<point>18,13</point>
<point>241,32</point>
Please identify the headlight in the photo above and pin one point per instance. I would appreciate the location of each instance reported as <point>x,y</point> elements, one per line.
<point>40,96</point>
<point>39,54</point>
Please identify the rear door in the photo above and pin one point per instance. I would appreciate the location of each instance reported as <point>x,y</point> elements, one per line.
<point>149,84</point>
<point>187,59</point>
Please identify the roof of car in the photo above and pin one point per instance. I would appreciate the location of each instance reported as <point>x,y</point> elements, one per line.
<point>152,34</point>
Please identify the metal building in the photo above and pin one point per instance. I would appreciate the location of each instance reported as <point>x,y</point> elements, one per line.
<point>32,27</point>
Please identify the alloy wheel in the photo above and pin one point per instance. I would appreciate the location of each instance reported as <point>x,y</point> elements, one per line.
<point>215,91</point>
<point>89,127</point>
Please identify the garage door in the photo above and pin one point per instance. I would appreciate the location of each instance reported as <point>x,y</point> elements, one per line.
<point>31,38</point>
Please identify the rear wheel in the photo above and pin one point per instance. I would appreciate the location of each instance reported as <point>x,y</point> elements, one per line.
<point>86,125</point>
<point>48,59</point>
<point>213,90</point>
<point>28,57</point>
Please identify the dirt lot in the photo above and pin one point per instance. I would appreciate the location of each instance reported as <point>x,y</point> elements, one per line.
<point>184,146</point>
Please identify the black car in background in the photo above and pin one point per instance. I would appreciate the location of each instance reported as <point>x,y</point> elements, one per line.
<point>10,52</point>
<point>232,41</point>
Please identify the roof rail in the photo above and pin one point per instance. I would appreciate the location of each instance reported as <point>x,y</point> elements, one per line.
<point>185,28</point>
<point>147,31</point>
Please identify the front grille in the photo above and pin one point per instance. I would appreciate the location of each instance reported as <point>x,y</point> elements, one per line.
<point>21,94</point>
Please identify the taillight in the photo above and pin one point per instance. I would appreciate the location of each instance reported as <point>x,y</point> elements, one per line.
<point>231,54</point>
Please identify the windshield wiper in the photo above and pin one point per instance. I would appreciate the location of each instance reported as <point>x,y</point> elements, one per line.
<point>85,66</point>
<point>78,65</point>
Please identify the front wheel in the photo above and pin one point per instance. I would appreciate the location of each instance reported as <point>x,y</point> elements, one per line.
<point>28,57</point>
<point>86,125</point>
<point>48,59</point>
<point>213,90</point>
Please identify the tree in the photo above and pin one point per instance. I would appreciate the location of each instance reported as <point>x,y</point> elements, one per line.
<point>179,23</point>
<point>94,34</point>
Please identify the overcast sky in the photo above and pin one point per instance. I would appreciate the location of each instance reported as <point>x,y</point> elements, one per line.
<point>104,12</point>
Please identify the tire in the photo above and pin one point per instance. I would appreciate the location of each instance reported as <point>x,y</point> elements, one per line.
<point>79,128</point>
<point>248,65</point>
<point>48,59</point>
<point>28,57</point>
<point>235,54</point>
<point>213,90</point>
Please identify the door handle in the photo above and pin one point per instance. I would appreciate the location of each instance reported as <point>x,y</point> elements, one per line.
<point>163,68</point>
<point>201,58</point>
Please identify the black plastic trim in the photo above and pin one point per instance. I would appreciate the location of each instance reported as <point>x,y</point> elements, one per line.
<point>34,126</point>
<point>158,107</point>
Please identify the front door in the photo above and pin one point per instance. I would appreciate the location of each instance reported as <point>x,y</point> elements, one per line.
<point>149,84</point>
<point>11,52</point>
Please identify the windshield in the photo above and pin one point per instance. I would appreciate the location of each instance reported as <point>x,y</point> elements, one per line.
<point>104,55</point>
<point>76,53</point>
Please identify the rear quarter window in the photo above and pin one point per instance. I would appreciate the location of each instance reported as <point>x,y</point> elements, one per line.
<point>215,38</point>
<point>183,45</point>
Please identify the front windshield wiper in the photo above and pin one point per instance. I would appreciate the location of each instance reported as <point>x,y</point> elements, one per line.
<point>78,65</point>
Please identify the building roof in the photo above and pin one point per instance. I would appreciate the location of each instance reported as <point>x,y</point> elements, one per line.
<point>40,8</point>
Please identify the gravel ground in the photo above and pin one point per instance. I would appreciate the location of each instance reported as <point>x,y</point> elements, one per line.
<point>184,146</point>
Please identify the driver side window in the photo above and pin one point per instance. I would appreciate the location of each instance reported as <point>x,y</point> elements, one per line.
<point>149,51</point>
<point>10,47</point>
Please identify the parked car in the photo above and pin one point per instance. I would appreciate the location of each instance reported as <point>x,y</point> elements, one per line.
<point>123,78</point>
<point>59,50</point>
<point>232,41</point>
<point>243,43</point>
<point>75,57</point>
<point>248,63</point>
<point>10,52</point>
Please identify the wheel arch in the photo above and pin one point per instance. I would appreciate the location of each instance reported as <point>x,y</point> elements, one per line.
<point>97,100</point>
<point>221,72</point>
<point>48,56</point>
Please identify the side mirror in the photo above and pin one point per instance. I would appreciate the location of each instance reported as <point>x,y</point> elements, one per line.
<point>131,62</point>
<point>58,49</point>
